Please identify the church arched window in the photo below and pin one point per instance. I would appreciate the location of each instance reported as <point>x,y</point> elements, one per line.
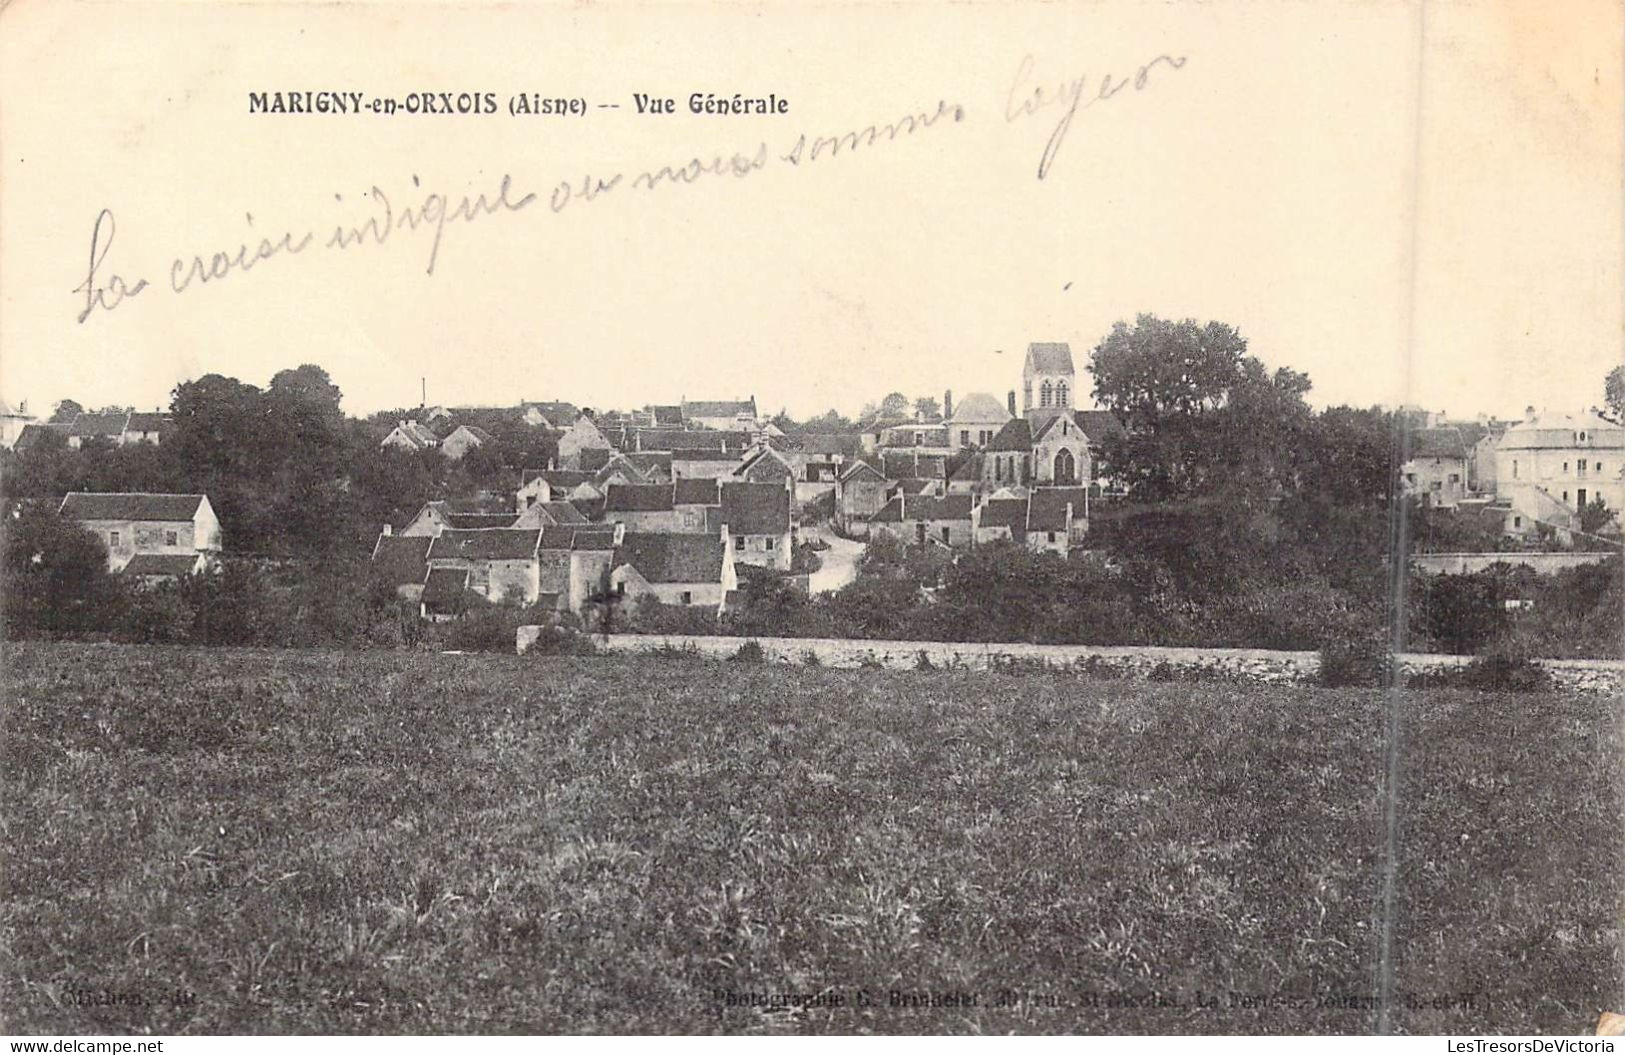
<point>1045,393</point>
<point>1060,395</point>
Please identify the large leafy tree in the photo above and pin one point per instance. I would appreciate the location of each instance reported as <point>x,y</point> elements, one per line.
<point>1614,392</point>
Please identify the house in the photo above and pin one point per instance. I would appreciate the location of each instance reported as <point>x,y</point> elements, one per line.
<point>501,563</point>
<point>1057,518</point>
<point>403,562</point>
<point>760,519</point>
<point>690,463</point>
<point>654,466</point>
<point>145,428</point>
<point>859,494</point>
<point>411,436</point>
<point>698,503</point>
<point>692,570</point>
<point>13,422</point>
<point>616,469</point>
<point>838,447</point>
<point>923,519</point>
<point>869,436</point>
<point>966,477</point>
<point>546,485</point>
<point>150,569</point>
<point>766,466</point>
<point>666,417</point>
<point>641,507</point>
<point>132,524</point>
<point>582,435</point>
<point>913,465</point>
<point>463,439</point>
<point>444,595</point>
<point>976,420</point>
<point>43,436</point>
<point>1435,466</point>
<point>918,437</point>
<point>556,513</point>
<point>548,415</point>
<point>107,428</point>
<point>1550,466</point>
<point>575,565</point>
<point>440,515</point>
<point>721,414</point>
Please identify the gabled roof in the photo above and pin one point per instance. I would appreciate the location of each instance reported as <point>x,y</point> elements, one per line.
<point>1006,513</point>
<point>930,507</point>
<point>979,408</point>
<point>915,486</point>
<point>667,416</point>
<point>485,544</point>
<point>1049,358</point>
<point>901,464</point>
<point>711,455</point>
<point>827,443</point>
<point>475,431</point>
<point>1046,507</point>
<point>418,435</point>
<point>475,521</point>
<point>443,588</point>
<point>177,565</point>
<point>763,460</point>
<point>638,498</point>
<point>696,491</point>
<point>619,465</point>
<point>1017,435</point>
<point>85,505</point>
<point>650,462</point>
<point>147,422</point>
<point>595,537</point>
<point>755,509</point>
<point>673,558</point>
<point>561,512</point>
<point>402,558</point>
<point>903,435</point>
<point>719,408</point>
<point>1098,425</point>
<point>40,433</point>
<point>890,513</point>
<point>558,479</point>
<point>100,424</point>
<point>1435,443</point>
<point>558,415</point>
<point>969,470</point>
<point>859,468</point>
<point>593,459</point>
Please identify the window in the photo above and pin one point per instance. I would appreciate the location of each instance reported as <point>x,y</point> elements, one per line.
<point>1046,393</point>
<point>919,439</point>
<point>945,532</point>
<point>1435,486</point>
<point>1052,536</point>
<point>620,589</point>
<point>172,538</point>
<point>739,542</point>
<point>112,538</point>
<point>687,596</point>
<point>1514,468</point>
<point>1060,395</point>
<point>1455,478</point>
<point>964,437</point>
<point>1565,496</point>
<point>986,437</point>
<point>1517,522</point>
<point>1565,466</point>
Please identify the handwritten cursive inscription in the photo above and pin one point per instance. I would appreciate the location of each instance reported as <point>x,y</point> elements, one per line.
<point>1024,101</point>
<point>111,294</point>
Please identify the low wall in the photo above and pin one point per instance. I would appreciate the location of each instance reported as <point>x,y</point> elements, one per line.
<point>1125,661</point>
<point>1468,563</point>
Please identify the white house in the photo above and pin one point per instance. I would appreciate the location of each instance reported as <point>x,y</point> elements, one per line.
<point>152,524</point>
<point>1550,466</point>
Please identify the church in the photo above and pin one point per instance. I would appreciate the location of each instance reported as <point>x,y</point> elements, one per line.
<point>1051,443</point>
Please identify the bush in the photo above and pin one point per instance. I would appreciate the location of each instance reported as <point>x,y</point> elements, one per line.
<point>749,652</point>
<point>557,640</point>
<point>1505,667</point>
<point>1362,658</point>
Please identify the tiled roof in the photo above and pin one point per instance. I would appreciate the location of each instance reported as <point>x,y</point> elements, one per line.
<point>562,513</point>
<point>673,558</point>
<point>174,564</point>
<point>704,456</point>
<point>485,544</point>
<point>815,443</point>
<point>914,486</point>
<point>980,408</point>
<point>99,424</point>
<point>638,498</point>
<point>890,513</point>
<point>755,509</point>
<point>859,468</point>
<point>695,491</point>
<point>85,505</point>
<point>1435,443</point>
<point>443,588</point>
<point>1017,435</point>
<point>1046,509</point>
<point>474,521</point>
<point>595,458</point>
<point>1005,512</point>
<point>719,408</point>
<point>667,416</point>
<point>650,463</point>
<point>910,464</point>
<point>1098,425</point>
<point>929,507</point>
<point>903,436</point>
<point>969,470</point>
<point>147,422</point>
<point>402,558</point>
<point>597,536</point>
<point>1049,357</point>
<point>41,433</point>
<point>560,479</point>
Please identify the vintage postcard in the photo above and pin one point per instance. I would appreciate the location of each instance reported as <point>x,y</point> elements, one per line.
<point>1083,517</point>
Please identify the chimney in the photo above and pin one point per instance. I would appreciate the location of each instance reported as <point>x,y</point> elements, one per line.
<point>1010,403</point>
<point>388,529</point>
<point>1529,413</point>
<point>947,404</point>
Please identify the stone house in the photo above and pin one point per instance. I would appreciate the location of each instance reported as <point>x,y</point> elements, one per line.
<point>923,519</point>
<point>575,565</point>
<point>760,518</point>
<point>582,435</point>
<point>1057,518</point>
<point>641,507</point>
<point>691,570</point>
<point>765,466</point>
<point>1550,466</point>
<point>502,563</point>
<point>869,436</point>
<point>859,494</point>
<point>976,420</point>
<point>107,428</point>
<point>698,462</point>
<point>549,415</point>
<point>548,485</point>
<point>722,414</point>
<point>13,422</point>
<point>145,428</point>
<point>556,513</point>
<point>131,524</point>
<point>402,561</point>
<point>913,465</point>
<point>438,515</point>
<point>1435,466</point>
<point>698,503</point>
<point>411,436</point>
<point>966,477</point>
<point>919,437</point>
<point>463,439</point>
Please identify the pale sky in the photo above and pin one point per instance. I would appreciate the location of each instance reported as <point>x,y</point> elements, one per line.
<point>1410,207</point>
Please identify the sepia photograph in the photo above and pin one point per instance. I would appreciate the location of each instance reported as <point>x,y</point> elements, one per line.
<point>839,518</point>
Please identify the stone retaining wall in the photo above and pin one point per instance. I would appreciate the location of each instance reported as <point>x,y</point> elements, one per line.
<point>1138,662</point>
<point>1468,563</point>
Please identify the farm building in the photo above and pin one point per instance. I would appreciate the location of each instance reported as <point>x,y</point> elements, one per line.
<point>678,569</point>
<point>134,524</point>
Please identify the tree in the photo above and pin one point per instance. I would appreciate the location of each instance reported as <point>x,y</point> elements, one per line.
<point>55,576</point>
<point>1596,516</point>
<point>927,409</point>
<point>1200,415</point>
<point>66,411</point>
<point>1614,392</point>
<point>895,405</point>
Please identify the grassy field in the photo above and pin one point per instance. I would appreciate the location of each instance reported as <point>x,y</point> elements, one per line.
<point>245,841</point>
